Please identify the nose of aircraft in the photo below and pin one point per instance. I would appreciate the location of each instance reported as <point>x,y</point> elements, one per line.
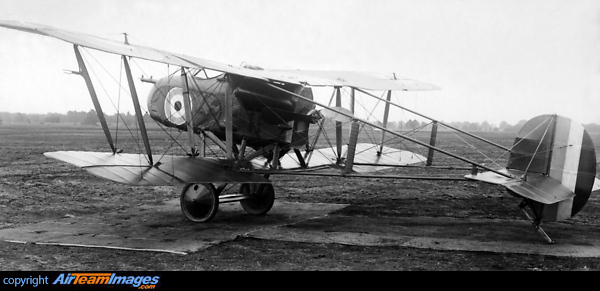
<point>174,107</point>
<point>166,104</point>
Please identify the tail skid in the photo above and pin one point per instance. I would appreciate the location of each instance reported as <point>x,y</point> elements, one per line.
<point>535,221</point>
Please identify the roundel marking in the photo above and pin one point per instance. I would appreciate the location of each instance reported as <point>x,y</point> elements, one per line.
<point>174,109</point>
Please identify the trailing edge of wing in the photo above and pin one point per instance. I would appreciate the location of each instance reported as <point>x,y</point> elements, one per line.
<point>133,169</point>
<point>363,80</point>
<point>366,158</point>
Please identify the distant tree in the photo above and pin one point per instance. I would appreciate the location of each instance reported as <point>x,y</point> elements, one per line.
<point>473,126</point>
<point>504,126</point>
<point>75,116</point>
<point>91,118</point>
<point>37,118</point>
<point>455,124</point>
<point>129,118</point>
<point>412,124</point>
<point>52,118</point>
<point>485,126</point>
<point>6,117</point>
<point>20,117</point>
<point>400,125</point>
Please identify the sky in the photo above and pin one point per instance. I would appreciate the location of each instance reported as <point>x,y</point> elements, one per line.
<point>495,61</point>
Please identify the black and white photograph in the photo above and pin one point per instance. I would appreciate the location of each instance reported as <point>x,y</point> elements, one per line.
<point>278,135</point>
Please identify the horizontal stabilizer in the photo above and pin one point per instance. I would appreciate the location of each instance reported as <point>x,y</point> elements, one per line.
<point>133,169</point>
<point>536,187</point>
<point>366,158</point>
<point>541,189</point>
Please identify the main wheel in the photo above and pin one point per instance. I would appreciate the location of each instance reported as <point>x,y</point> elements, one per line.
<point>262,198</point>
<point>199,202</point>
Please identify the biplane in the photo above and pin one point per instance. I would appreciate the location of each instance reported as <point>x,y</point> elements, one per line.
<point>267,122</point>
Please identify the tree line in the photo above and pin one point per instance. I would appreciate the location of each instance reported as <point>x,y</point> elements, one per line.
<point>71,117</point>
<point>413,124</point>
<point>91,118</point>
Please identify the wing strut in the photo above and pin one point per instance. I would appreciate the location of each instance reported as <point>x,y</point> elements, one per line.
<point>352,99</point>
<point>395,133</point>
<point>338,125</point>
<point>386,114</point>
<point>310,150</point>
<point>432,140</point>
<point>444,124</point>
<point>229,119</point>
<point>354,128</point>
<point>88,81</point>
<point>138,111</point>
<point>188,111</point>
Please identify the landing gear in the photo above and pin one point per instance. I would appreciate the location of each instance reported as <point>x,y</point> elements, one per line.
<point>536,220</point>
<point>259,198</point>
<point>199,202</point>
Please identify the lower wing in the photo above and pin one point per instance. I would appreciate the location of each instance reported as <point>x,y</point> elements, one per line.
<point>133,169</point>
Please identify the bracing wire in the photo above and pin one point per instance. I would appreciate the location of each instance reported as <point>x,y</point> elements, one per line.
<point>108,95</point>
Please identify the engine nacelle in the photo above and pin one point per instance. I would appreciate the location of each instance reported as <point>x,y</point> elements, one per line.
<point>261,114</point>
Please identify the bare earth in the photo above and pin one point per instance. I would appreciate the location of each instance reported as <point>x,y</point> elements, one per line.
<point>385,225</point>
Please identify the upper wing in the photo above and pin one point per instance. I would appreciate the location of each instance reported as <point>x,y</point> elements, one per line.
<point>363,80</point>
<point>368,81</point>
<point>110,46</point>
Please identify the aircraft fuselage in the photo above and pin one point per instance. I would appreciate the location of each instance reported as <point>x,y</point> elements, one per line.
<point>260,114</point>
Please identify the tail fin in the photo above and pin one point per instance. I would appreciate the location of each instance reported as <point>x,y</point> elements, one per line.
<point>556,159</point>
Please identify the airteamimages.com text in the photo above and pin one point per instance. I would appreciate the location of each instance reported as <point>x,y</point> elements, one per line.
<point>140,282</point>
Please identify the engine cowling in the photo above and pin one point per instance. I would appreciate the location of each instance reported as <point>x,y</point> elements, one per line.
<point>166,103</point>
<point>261,114</point>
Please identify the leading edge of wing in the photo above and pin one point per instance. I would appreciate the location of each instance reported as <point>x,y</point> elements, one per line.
<point>133,169</point>
<point>114,47</point>
<point>363,80</point>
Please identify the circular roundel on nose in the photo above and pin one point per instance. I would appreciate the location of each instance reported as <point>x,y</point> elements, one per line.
<point>174,109</point>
